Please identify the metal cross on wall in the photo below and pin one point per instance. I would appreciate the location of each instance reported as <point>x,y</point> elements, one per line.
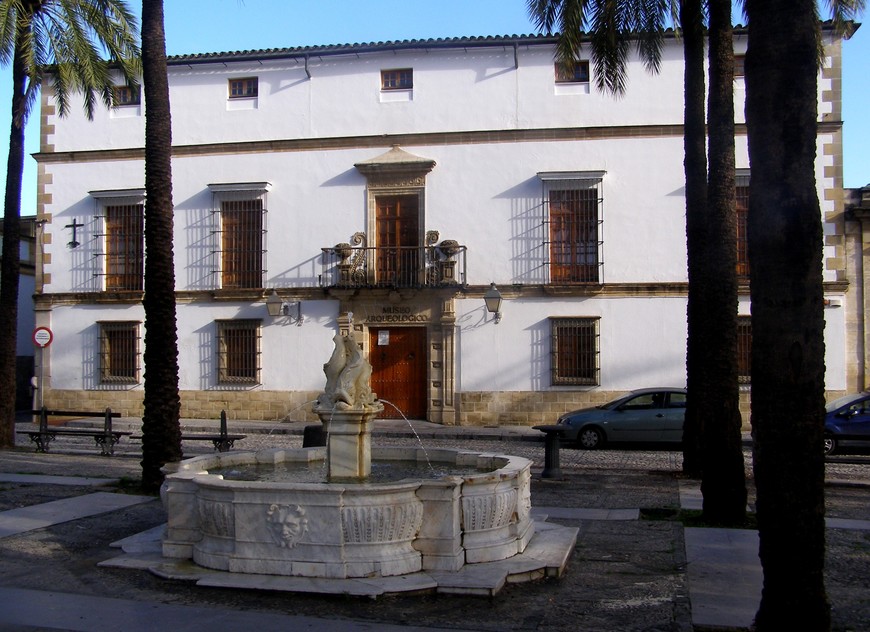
<point>74,243</point>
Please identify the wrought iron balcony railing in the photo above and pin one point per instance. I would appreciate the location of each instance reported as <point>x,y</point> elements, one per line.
<point>433,265</point>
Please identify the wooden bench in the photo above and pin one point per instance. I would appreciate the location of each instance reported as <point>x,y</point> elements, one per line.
<point>45,434</point>
<point>222,441</point>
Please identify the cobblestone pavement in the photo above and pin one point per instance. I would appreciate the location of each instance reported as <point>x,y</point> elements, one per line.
<point>852,466</point>
<point>626,575</point>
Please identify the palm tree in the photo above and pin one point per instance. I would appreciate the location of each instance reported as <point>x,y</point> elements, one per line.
<point>161,433</point>
<point>64,40</point>
<point>712,428</point>
<point>723,479</point>
<point>785,248</point>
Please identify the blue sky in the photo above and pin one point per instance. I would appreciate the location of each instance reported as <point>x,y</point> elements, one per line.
<point>200,26</point>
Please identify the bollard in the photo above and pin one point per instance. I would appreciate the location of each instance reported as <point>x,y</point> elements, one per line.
<point>552,436</point>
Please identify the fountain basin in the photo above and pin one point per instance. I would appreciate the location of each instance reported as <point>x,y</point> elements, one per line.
<point>348,530</point>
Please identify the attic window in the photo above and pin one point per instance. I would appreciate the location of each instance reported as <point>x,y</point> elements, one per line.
<point>125,95</point>
<point>578,72</point>
<point>244,88</point>
<point>397,79</point>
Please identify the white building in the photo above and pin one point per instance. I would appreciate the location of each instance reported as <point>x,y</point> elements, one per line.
<point>570,201</point>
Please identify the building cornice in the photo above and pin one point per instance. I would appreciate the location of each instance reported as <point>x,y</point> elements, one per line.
<point>386,140</point>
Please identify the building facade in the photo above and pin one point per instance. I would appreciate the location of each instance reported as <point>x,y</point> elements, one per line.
<point>387,189</point>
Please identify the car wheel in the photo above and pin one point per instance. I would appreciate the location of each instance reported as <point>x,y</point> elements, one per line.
<point>590,438</point>
<point>830,445</point>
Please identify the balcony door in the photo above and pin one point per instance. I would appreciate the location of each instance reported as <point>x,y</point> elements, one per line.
<point>398,359</point>
<point>397,222</point>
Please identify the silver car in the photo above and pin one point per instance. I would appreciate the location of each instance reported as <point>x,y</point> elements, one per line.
<point>644,415</point>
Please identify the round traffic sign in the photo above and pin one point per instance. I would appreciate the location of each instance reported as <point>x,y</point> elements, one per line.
<point>42,336</point>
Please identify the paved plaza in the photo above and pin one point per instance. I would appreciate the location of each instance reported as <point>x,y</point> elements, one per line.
<point>64,530</point>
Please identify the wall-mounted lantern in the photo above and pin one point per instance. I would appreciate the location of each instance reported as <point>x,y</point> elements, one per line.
<point>492,299</point>
<point>277,307</point>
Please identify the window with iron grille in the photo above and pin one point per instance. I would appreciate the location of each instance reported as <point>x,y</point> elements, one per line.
<point>397,79</point>
<point>238,351</point>
<point>575,352</point>
<point>126,95</point>
<point>742,210</point>
<point>573,219</point>
<point>744,349</point>
<point>125,256</point>
<point>243,88</point>
<point>578,72</point>
<point>116,240</point>
<point>239,230</point>
<point>119,352</point>
<point>242,243</point>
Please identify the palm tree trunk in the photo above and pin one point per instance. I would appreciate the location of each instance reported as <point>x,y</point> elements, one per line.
<point>695,164</point>
<point>785,250</point>
<point>11,263</point>
<point>161,434</point>
<point>723,481</point>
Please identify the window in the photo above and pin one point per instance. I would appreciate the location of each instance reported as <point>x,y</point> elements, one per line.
<point>744,349</point>
<point>238,351</point>
<point>125,225</point>
<point>239,212</point>
<point>119,352</point>
<point>117,242</point>
<point>739,66</point>
<point>242,244</point>
<point>578,72</point>
<point>244,88</point>
<point>573,216</point>
<point>126,95</point>
<point>742,209</point>
<point>397,79</point>
<point>574,349</point>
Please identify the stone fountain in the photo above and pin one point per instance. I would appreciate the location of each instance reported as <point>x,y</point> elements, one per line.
<point>348,527</point>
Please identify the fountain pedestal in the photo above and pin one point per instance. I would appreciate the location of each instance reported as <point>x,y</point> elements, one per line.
<point>349,442</point>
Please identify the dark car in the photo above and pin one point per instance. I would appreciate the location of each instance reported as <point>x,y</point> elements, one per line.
<point>847,419</point>
<point>644,415</point>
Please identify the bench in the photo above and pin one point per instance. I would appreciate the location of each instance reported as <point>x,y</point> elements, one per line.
<point>552,440</point>
<point>105,438</point>
<point>222,441</point>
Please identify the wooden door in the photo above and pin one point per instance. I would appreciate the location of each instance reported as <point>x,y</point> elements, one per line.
<point>398,240</point>
<point>398,359</point>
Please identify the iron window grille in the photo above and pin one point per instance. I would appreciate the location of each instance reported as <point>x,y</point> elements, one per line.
<point>573,226</point>
<point>744,349</point>
<point>239,230</point>
<point>118,244</point>
<point>577,72</point>
<point>125,247</point>
<point>238,358</point>
<point>120,355</point>
<point>741,191</point>
<point>243,88</point>
<point>397,79</point>
<point>575,351</point>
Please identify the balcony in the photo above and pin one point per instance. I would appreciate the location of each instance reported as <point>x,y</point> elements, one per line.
<point>360,266</point>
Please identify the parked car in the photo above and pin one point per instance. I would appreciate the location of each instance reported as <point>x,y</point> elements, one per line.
<point>644,415</point>
<point>847,419</point>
